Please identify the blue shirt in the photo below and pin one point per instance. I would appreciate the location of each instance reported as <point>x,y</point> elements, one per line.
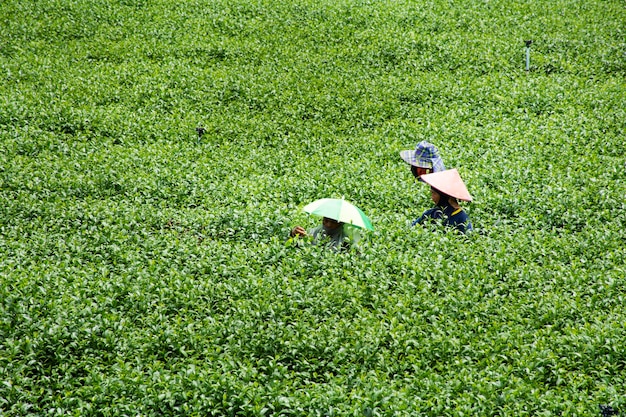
<point>456,218</point>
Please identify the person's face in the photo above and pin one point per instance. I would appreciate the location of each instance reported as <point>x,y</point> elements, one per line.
<point>418,171</point>
<point>434,195</point>
<point>330,224</point>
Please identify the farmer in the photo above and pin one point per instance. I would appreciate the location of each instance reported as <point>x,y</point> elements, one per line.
<point>337,235</point>
<point>446,188</point>
<point>424,159</point>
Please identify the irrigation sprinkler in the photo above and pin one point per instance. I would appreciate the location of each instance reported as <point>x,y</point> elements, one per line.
<point>200,130</point>
<point>528,43</point>
<point>608,411</point>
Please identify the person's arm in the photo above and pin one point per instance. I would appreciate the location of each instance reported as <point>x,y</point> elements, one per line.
<point>419,220</point>
<point>433,213</point>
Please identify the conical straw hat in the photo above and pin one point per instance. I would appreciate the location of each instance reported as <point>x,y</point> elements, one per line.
<point>448,182</point>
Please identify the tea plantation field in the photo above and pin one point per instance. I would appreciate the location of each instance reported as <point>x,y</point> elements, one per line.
<point>154,155</point>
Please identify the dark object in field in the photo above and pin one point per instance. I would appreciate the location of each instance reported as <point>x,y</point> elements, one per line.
<point>201,131</point>
<point>607,411</point>
<point>528,43</point>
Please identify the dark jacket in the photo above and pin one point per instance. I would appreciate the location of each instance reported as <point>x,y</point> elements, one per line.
<point>452,217</point>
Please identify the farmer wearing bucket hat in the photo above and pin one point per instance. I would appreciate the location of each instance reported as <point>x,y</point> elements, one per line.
<point>424,159</point>
<point>446,188</point>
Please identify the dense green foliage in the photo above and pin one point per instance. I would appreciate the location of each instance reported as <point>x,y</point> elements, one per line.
<point>145,270</point>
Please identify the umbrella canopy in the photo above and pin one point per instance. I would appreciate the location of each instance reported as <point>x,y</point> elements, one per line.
<point>340,210</point>
<point>449,182</point>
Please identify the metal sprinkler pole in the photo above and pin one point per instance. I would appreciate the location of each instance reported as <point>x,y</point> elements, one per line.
<point>528,43</point>
<point>200,130</point>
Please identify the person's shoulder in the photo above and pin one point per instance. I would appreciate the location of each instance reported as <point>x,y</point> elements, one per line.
<point>460,214</point>
<point>315,231</point>
<point>460,219</point>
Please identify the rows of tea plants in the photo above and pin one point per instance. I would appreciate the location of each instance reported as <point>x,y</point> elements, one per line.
<point>155,154</point>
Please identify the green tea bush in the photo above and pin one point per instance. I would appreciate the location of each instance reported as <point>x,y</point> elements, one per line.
<point>145,268</point>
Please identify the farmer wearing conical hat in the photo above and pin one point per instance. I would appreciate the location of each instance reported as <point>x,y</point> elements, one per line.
<point>424,159</point>
<point>446,188</point>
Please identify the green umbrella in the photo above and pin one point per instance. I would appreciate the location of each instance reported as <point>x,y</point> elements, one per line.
<point>340,210</point>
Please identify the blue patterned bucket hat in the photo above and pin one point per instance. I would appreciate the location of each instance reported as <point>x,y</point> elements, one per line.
<point>425,155</point>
